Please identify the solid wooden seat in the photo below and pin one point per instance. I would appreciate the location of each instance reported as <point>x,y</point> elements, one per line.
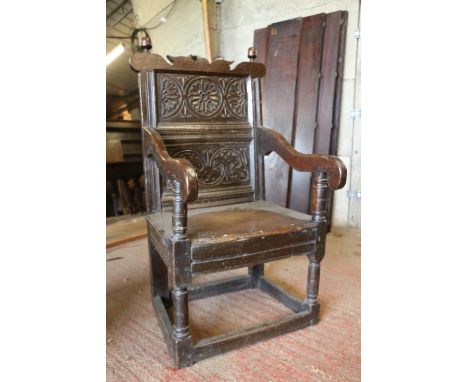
<point>203,148</point>
<point>241,234</point>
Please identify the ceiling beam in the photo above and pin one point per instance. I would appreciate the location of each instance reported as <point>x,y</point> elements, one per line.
<point>123,17</point>
<point>116,9</point>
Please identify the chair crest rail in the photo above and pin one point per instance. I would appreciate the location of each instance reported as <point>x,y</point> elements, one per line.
<point>192,64</point>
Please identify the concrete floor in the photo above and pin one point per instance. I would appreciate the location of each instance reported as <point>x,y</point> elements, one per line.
<point>123,229</point>
<point>329,351</point>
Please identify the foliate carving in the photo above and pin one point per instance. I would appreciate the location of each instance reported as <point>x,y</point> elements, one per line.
<point>170,96</point>
<point>236,99</point>
<point>221,166</point>
<point>188,98</point>
<point>204,97</point>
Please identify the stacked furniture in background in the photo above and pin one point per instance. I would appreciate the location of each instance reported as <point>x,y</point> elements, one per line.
<point>124,168</point>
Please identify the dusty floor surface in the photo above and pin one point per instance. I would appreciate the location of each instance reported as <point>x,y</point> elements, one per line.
<point>123,229</point>
<point>328,351</point>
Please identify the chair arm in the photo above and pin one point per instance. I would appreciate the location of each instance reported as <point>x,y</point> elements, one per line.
<point>177,170</point>
<point>270,140</point>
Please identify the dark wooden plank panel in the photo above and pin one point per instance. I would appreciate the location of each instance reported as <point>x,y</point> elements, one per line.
<point>331,45</point>
<point>319,107</point>
<point>336,112</point>
<point>278,101</point>
<point>339,84</point>
<point>328,85</point>
<point>307,91</point>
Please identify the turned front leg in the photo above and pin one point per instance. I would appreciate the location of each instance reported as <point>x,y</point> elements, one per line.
<point>182,345</point>
<point>179,214</point>
<point>319,197</point>
<point>319,203</point>
<point>313,280</point>
<point>181,315</point>
<point>181,338</point>
<point>313,276</point>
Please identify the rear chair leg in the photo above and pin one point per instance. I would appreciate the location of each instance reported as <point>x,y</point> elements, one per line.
<point>313,280</point>
<point>255,272</point>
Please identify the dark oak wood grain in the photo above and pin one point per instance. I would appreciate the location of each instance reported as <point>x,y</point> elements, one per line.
<point>337,104</point>
<point>330,89</point>
<point>329,77</point>
<point>279,88</point>
<point>332,165</point>
<point>164,320</point>
<point>215,288</point>
<point>313,125</point>
<point>203,149</point>
<point>307,92</point>
<point>229,341</point>
<point>145,62</point>
<point>281,295</point>
<point>179,171</point>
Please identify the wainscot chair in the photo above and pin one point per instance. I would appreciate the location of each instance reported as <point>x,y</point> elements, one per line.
<point>203,147</point>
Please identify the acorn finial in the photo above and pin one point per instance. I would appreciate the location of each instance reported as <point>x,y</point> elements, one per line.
<point>145,44</point>
<point>252,54</point>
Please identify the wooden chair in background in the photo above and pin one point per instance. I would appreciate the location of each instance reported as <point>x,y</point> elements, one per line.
<point>203,147</point>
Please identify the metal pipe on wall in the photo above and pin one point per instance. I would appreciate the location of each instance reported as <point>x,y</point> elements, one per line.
<point>206,26</point>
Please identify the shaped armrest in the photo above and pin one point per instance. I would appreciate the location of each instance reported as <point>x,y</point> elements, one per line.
<point>177,170</point>
<point>270,140</point>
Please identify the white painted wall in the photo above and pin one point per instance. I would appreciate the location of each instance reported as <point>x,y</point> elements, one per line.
<point>240,18</point>
<point>183,35</point>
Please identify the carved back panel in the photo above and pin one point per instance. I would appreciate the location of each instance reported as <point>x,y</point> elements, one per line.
<point>193,98</point>
<point>206,113</point>
<point>203,118</point>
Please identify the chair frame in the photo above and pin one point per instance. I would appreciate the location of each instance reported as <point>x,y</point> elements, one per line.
<point>170,263</point>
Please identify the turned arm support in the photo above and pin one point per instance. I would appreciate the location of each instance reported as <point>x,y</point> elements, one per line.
<point>182,177</point>
<point>270,140</point>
